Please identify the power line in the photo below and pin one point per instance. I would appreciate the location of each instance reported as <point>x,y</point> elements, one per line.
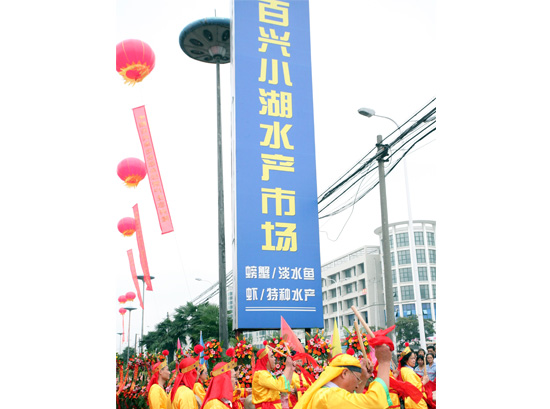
<point>400,146</point>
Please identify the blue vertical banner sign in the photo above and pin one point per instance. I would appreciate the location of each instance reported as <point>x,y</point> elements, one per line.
<point>276,258</point>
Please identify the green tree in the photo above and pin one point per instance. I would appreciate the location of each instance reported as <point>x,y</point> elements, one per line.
<point>124,355</point>
<point>189,320</point>
<point>407,329</point>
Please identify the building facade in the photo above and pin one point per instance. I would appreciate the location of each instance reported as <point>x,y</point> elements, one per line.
<point>410,254</point>
<point>354,279</point>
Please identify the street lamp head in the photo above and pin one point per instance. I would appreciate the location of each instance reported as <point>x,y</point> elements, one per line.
<point>207,40</point>
<point>198,279</point>
<point>366,112</point>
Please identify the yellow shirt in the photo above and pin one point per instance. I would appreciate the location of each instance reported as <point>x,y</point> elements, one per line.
<point>408,375</point>
<point>158,399</point>
<point>330,398</point>
<point>215,404</point>
<point>296,383</point>
<point>265,388</point>
<point>184,399</point>
<point>394,396</point>
<point>198,390</point>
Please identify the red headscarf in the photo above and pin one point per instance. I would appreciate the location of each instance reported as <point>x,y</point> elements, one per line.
<point>261,363</point>
<point>188,378</point>
<point>307,359</point>
<point>155,378</point>
<point>220,386</point>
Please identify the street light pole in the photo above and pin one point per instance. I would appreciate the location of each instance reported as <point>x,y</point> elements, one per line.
<point>224,335</point>
<point>337,307</point>
<point>142,278</point>
<point>129,309</point>
<point>418,301</point>
<point>207,40</point>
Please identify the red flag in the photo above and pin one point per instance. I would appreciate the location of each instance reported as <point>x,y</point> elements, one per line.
<point>153,170</point>
<point>141,248</point>
<point>290,337</point>
<point>134,275</point>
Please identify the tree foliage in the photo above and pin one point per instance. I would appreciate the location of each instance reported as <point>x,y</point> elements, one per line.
<point>407,329</point>
<point>189,320</point>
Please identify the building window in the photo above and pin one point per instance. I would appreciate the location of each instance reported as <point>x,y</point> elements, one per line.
<point>349,303</point>
<point>366,317</point>
<point>431,239</point>
<point>418,238</point>
<point>396,311</point>
<point>404,257</point>
<point>432,256</point>
<point>407,293</point>
<point>334,307</point>
<point>420,255</point>
<point>409,309</point>
<point>427,311</point>
<point>405,275</point>
<point>395,294</point>
<point>392,259</point>
<point>332,279</point>
<point>351,318</point>
<point>393,277</point>
<point>347,273</point>
<point>391,242</point>
<point>425,292</point>
<point>333,293</point>
<point>402,239</point>
<point>433,291</point>
<point>432,271</point>
<point>423,273</point>
<point>364,298</point>
<point>349,288</point>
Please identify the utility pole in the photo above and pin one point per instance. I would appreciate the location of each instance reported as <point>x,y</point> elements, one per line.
<point>388,284</point>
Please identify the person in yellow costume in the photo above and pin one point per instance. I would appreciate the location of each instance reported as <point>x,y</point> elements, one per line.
<point>182,395</point>
<point>156,396</point>
<point>301,379</point>
<point>220,391</point>
<point>266,388</point>
<point>336,386</point>
<point>407,360</point>
<point>198,388</point>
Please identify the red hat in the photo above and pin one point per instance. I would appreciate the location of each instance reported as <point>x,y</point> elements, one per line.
<point>220,385</point>
<point>187,375</point>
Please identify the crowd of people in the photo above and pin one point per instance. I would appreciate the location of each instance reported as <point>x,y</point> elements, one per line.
<point>346,382</point>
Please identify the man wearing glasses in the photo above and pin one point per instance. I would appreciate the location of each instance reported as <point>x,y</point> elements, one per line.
<point>337,385</point>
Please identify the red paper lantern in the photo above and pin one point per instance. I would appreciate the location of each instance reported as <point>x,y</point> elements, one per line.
<point>122,311</point>
<point>131,171</point>
<point>350,351</point>
<point>130,296</point>
<point>165,352</point>
<point>127,226</point>
<point>134,60</point>
<point>122,299</point>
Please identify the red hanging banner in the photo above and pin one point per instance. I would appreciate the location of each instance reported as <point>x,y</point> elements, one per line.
<point>141,248</point>
<point>153,170</point>
<point>134,276</point>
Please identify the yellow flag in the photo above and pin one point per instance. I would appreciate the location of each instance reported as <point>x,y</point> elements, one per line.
<point>335,341</point>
